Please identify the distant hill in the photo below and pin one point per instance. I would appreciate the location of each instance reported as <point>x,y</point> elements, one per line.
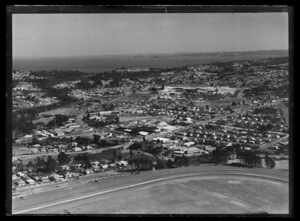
<point>226,53</point>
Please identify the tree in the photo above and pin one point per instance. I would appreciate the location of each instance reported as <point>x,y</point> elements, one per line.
<point>20,167</point>
<point>130,153</point>
<point>178,161</point>
<point>161,164</point>
<point>72,168</point>
<point>96,139</point>
<point>51,165</point>
<point>141,161</point>
<point>220,156</point>
<point>135,146</point>
<point>270,163</point>
<point>185,160</point>
<point>257,161</point>
<point>40,162</point>
<point>153,90</point>
<point>114,153</point>
<point>86,116</point>
<point>59,120</point>
<point>119,157</point>
<point>117,120</point>
<point>29,164</point>
<point>169,163</point>
<point>155,151</point>
<point>273,163</point>
<point>267,161</point>
<point>83,140</point>
<point>63,158</point>
<point>61,171</point>
<point>51,178</point>
<point>250,159</point>
<point>23,124</point>
<point>83,159</point>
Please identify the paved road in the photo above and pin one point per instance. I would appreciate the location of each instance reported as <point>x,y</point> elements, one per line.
<point>55,201</point>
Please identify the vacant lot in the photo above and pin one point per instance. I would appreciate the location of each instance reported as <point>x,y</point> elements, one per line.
<point>134,118</point>
<point>42,120</point>
<point>61,111</point>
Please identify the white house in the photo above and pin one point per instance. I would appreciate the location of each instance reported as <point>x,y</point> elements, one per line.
<point>189,144</point>
<point>76,149</point>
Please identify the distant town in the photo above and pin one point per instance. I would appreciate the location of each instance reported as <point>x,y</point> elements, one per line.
<point>70,126</point>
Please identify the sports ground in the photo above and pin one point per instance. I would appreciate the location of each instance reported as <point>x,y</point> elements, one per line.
<point>189,190</point>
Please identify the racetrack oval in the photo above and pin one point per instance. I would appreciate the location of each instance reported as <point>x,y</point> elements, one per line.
<point>229,193</point>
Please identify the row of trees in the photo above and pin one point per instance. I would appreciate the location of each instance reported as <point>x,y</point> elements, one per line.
<point>247,158</point>
<point>141,162</point>
<point>177,162</point>
<point>250,159</point>
<point>44,166</point>
<point>144,162</point>
<point>58,120</point>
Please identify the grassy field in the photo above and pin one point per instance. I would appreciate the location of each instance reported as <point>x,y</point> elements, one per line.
<point>134,118</point>
<point>61,110</point>
<point>282,164</point>
<point>198,195</point>
<point>42,120</point>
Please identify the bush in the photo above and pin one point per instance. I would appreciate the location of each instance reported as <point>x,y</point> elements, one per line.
<point>161,164</point>
<point>63,158</point>
<point>51,165</point>
<point>136,146</point>
<point>59,120</point>
<point>83,159</point>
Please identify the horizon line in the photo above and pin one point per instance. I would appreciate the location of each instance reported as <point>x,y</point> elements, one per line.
<point>146,53</point>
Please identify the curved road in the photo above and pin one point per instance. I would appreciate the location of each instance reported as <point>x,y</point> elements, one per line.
<point>82,195</point>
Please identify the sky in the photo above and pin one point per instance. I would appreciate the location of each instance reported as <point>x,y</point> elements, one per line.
<point>56,35</point>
